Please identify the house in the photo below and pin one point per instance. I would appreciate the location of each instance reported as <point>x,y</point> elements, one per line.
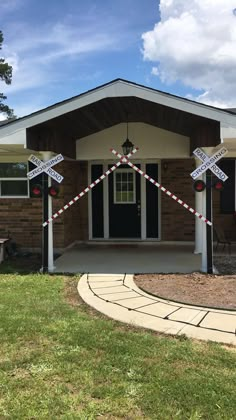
<point>166,128</point>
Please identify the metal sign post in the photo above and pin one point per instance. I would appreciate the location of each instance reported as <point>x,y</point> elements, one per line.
<point>209,235</point>
<point>208,167</point>
<point>45,168</point>
<point>45,261</point>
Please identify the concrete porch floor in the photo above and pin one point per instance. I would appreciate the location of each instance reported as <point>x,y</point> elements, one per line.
<point>130,259</point>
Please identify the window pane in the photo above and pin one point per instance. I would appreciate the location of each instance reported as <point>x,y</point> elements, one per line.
<point>118,177</point>
<point>118,197</point>
<point>14,188</point>
<point>124,177</point>
<point>118,186</point>
<point>130,196</point>
<point>130,186</point>
<point>124,197</point>
<point>124,187</point>
<point>13,170</point>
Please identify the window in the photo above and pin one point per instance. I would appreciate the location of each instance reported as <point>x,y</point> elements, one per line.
<point>124,186</point>
<point>13,180</point>
<point>227,195</point>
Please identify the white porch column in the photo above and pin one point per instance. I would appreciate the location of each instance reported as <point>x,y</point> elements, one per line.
<point>204,229</point>
<point>46,156</point>
<point>209,151</point>
<point>198,223</point>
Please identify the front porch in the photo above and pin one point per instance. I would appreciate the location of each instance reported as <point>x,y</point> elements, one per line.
<point>129,258</point>
<point>124,206</point>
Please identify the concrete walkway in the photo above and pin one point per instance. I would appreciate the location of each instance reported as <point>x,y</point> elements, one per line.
<point>118,297</point>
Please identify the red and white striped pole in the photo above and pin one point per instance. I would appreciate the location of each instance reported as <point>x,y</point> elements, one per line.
<point>167,192</point>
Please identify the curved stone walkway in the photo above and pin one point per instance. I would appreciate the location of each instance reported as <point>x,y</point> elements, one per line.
<point>117,296</point>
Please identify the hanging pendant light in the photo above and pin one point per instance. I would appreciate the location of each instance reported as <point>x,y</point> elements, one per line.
<point>127,146</point>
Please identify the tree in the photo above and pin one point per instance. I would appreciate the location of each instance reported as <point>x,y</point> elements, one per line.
<point>5,76</point>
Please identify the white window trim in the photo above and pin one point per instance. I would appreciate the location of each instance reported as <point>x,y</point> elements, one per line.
<point>128,171</point>
<point>15,179</point>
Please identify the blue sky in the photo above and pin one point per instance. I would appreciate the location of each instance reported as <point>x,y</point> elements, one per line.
<point>60,48</point>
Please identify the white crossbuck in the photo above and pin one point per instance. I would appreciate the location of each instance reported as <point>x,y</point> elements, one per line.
<point>45,167</point>
<point>209,163</point>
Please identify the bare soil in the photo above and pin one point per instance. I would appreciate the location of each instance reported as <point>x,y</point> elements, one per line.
<point>217,291</point>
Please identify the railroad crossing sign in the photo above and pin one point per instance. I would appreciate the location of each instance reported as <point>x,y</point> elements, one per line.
<point>45,167</point>
<point>209,163</point>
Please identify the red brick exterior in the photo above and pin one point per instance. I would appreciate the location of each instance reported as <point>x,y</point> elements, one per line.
<point>72,225</point>
<point>22,217</point>
<point>177,224</point>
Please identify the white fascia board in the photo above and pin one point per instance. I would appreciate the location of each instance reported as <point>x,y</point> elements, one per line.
<point>180,104</point>
<point>120,88</point>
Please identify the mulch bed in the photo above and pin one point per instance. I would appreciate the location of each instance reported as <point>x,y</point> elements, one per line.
<point>217,291</point>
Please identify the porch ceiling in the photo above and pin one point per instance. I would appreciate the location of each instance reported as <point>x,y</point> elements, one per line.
<point>59,134</point>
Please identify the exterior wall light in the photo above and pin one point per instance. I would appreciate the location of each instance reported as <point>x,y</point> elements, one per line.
<point>127,146</point>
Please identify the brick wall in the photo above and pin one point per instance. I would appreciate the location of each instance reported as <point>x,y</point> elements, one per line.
<point>178,224</point>
<point>76,217</point>
<point>22,217</point>
<point>72,225</point>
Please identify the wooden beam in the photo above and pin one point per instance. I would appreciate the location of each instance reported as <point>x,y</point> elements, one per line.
<point>56,140</point>
<point>205,134</point>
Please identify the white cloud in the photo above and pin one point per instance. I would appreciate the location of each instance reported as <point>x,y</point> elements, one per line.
<point>39,54</point>
<point>155,71</point>
<point>195,42</point>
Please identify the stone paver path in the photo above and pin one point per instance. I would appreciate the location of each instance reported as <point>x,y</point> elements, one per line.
<point>117,296</point>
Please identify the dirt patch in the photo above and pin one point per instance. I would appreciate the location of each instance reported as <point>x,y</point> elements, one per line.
<point>70,291</point>
<point>216,291</point>
<point>22,263</point>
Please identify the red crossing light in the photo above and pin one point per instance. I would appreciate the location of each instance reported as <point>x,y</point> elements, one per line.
<point>53,191</point>
<point>36,191</point>
<point>218,185</point>
<point>199,185</point>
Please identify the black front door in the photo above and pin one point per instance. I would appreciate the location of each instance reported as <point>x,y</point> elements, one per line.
<point>124,203</point>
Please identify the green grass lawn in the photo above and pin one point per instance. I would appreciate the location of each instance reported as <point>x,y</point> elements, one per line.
<point>61,360</point>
